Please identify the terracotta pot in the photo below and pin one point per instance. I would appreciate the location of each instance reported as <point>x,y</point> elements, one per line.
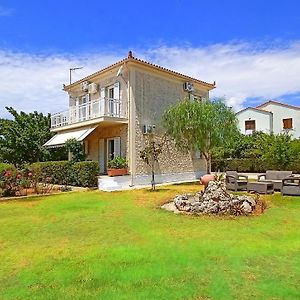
<point>205,179</point>
<point>116,172</point>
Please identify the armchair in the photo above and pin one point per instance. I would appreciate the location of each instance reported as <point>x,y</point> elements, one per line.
<point>234,181</point>
<point>291,186</point>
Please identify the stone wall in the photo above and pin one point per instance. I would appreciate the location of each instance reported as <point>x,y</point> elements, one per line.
<point>153,95</point>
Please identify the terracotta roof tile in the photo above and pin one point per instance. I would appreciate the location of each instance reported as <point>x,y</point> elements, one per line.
<point>131,58</point>
<point>278,103</point>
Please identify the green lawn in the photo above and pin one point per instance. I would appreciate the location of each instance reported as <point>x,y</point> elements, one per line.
<point>94,245</point>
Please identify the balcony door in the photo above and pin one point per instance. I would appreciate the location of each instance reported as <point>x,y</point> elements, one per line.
<point>113,96</point>
<point>84,108</point>
<point>108,149</point>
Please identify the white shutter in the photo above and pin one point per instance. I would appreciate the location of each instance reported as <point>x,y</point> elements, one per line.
<point>101,156</point>
<point>87,110</point>
<point>116,108</point>
<point>117,146</point>
<point>102,101</point>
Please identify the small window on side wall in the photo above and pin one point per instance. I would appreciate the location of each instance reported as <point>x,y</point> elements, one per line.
<point>250,125</point>
<point>287,123</point>
<point>196,98</point>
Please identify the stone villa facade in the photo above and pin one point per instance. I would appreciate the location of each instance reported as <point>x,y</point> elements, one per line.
<point>115,111</point>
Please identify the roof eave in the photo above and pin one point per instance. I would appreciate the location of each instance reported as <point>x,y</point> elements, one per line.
<point>211,86</point>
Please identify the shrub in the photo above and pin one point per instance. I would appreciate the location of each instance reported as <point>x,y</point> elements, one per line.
<point>253,165</point>
<point>117,163</point>
<point>85,173</point>
<point>13,182</point>
<point>6,167</point>
<point>58,171</point>
<point>241,165</point>
<point>66,173</point>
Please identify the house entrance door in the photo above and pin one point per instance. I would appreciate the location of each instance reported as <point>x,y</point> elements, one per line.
<point>108,150</point>
<point>113,148</point>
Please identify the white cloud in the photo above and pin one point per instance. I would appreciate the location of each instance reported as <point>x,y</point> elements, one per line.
<point>5,12</point>
<point>34,82</point>
<point>241,70</point>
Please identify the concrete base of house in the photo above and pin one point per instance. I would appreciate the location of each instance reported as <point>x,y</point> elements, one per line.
<point>119,183</point>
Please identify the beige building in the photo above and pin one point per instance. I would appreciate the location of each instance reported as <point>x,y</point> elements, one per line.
<point>116,110</point>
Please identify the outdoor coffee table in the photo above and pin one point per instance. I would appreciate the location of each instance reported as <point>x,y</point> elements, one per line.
<point>261,187</point>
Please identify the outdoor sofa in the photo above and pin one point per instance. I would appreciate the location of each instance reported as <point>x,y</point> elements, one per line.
<point>235,182</point>
<point>291,186</point>
<point>276,177</point>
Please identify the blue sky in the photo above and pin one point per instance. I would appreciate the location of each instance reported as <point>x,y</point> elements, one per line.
<point>251,48</point>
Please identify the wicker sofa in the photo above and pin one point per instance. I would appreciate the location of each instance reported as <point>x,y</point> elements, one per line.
<point>291,186</point>
<point>276,177</point>
<point>234,181</point>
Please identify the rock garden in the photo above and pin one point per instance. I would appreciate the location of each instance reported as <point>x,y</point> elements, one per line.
<point>216,200</point>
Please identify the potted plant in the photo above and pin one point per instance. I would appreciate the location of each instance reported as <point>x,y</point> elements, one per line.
<point>117,166</point>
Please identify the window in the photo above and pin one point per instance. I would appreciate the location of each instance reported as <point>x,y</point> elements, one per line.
<point>197,98</point>
<point>250,125</point>
<point>288,123</point>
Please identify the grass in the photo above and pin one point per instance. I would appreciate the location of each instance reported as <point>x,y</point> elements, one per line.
<point>94,245</point>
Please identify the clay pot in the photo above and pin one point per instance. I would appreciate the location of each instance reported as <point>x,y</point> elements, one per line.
<point>116,172</point>
<point>205,179</point>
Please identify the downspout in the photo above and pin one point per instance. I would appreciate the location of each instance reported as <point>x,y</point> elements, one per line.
<point>271,123</point>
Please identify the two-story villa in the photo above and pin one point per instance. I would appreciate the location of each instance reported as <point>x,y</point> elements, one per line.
<point>270,117</point>
<point>113,111</point>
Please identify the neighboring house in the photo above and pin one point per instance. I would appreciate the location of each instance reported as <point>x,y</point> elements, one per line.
<point>113,111</point>
<point>270,117</point>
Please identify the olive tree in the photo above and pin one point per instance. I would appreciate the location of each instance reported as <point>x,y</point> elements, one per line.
<point>202,126</point>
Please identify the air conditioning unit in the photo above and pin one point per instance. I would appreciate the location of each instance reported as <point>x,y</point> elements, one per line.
<point>84,86</point>
<point>93,88</point>
<point>188,86</point>
<point>148,129</point>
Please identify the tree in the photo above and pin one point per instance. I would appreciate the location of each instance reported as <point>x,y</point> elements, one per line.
<point>22,138</point>
<point>76,149</point>
<point>203,126</point>
<point>280,151</point>
<point>150,155</point>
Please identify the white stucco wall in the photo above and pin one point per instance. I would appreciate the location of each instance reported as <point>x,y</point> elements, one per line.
<point>281,112</point>
<point>263,120</point>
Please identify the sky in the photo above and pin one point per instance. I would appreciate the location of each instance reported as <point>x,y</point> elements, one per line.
<point>250,48</point>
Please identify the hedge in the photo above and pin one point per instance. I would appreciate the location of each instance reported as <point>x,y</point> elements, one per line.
<point>250,165</point>
<point>67,173</point>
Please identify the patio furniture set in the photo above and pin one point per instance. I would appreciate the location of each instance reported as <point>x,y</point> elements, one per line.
<point>284,181</point>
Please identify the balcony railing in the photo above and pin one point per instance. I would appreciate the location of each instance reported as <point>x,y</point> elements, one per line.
<point>88,111</point>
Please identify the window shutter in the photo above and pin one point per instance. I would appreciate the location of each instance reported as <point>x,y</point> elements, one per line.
<point>117,146</point>
<point>288,123</point>
<point>102,101</point>
<point>101,156</point>
<point>117,90</point>
<point>116,99</point>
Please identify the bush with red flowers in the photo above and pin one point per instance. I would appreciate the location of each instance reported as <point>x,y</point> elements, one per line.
<point>14,182</point>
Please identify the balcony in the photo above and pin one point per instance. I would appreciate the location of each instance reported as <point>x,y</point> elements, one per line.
<point>105,107</point>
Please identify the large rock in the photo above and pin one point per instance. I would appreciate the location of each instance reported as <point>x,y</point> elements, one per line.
<point>214,200</point>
